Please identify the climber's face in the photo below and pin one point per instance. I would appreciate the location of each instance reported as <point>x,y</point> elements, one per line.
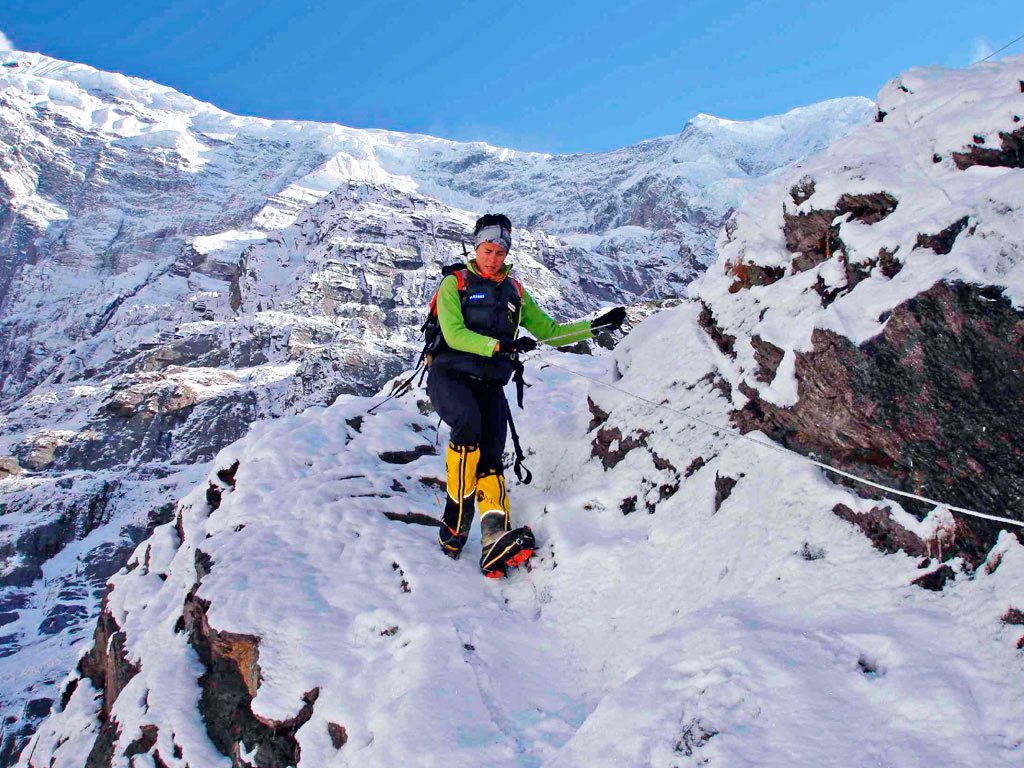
<point>490,258</point>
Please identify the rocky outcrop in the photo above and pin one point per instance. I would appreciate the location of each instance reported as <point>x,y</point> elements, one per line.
<point>1009,155</point>
<point>932,406</point>
<point>228,686</point>
<point>942,242</point>
<point>109,669</point>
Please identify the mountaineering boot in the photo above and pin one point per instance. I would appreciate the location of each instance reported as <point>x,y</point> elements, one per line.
<point>508,549</point>
<point>502,548</point>
<point>461,463</point>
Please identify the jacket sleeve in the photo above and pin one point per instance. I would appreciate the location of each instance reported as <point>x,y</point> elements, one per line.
<point>453,326</point>
<point>540,324</point>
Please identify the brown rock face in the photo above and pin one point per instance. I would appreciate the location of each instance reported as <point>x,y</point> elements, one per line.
<point>768,358</point>
<point>867,209</point>
<point>1010,155</point>
<point>748,275</point>
<point>106,664</point>
<point>943,241</point>
<point>812,237</point>
<point>722,340</point>
<point>228,686</point>
<point>934,405</point>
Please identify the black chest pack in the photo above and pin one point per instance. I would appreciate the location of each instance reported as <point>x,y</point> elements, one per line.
<point>492,309</point>
<point>488,308</point>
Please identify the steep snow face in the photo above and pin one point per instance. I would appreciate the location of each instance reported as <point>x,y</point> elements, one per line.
<point>171,273</point>
<point>665,620</point>
<point>699,596</point>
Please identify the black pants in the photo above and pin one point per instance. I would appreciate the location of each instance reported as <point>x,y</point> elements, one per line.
<point>476,411</point>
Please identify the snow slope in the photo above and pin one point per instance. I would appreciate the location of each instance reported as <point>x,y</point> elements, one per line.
<point>700,596</point>
<point>171,273</point>
<point>765,632</point>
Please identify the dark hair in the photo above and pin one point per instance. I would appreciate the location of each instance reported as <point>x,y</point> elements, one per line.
<point>490,219</point>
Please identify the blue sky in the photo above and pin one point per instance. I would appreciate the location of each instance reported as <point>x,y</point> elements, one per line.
<point>540,75</point>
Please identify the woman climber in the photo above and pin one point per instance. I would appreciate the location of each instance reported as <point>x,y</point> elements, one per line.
<point>480,310</point>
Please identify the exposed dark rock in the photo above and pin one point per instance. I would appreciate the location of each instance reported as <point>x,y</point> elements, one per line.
<point>204,564</point>
<point>413,518</point>
<point>801,191</point>
<point>436,483</point>
<point>867,209</point>
<point>1013,616</point>
<point>597,415</point>
<point>356,423</point>
<point>885,533</point>
<point>881,115</point>
<point>768,357</point>
<point>401,574</point>
<point>723,341</point>
<point>719,383</point>
<point>68,692</point>
<point>102,753</point>
<point>607,437</point>
<point>937,579</point>
<point>888,262</point>
<point>62,616</point>
<point>338,734</point>
<point>628,505</point>
<point>135,426</point>
<point>143,743</point>
<point>723,489</point>
<point>9,467</point>
<point>826,293</point>
<point>944,240</point>
<point>748,274</point>
<point>227,476</point>
<point>1009,155</point>
<point>214,494</point>
<point>811,553</point>
<point>407,457</point>
<point>695,735</point>
<point>933,405</point>
<point>37,708</point>
<point>812,237</point>
<point>228,686</point>
<point>695,466</point>
<point>106,664</point>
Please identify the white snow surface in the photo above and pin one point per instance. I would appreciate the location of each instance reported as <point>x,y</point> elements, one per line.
<point>767,633</point>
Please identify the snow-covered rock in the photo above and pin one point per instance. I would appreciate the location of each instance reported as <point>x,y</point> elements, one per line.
<point>868,302</point>
<point>700,596</point>
<point>171,273</point>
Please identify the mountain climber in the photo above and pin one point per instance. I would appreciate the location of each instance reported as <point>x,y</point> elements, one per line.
<point>480,310</point>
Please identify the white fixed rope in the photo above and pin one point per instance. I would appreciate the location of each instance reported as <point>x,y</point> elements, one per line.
<point>772,446</point>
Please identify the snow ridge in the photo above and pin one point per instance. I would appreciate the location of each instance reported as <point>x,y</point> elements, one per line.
<point>685,606</point>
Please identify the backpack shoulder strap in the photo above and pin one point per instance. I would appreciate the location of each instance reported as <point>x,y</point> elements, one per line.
<point>518,286</point>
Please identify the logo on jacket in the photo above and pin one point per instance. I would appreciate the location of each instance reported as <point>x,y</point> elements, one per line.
<point>477,296</point>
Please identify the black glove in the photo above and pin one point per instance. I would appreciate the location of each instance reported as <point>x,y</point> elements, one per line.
<point>611,320</point>
<point>517,347</point>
